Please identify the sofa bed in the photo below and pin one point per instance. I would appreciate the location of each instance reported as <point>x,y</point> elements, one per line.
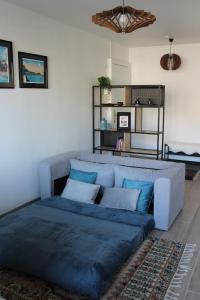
<point>168,178</point>
<point>72,243</point>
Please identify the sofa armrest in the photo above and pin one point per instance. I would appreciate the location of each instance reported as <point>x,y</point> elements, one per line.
<point>51,169</point>
<point>169,196</point>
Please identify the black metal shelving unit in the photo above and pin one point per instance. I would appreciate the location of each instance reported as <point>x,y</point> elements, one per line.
<point>106,140</point>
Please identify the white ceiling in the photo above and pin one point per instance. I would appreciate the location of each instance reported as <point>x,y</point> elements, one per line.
<point>177,18</point>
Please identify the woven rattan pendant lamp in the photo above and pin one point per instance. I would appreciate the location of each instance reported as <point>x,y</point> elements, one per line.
<point>171,61</point>
<point>123,19</point>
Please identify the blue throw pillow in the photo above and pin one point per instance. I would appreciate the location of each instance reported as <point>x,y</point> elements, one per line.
<point>87,177</point>
<point>146,194</point>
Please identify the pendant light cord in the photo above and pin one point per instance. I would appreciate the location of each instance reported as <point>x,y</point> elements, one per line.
<point>171,42</point>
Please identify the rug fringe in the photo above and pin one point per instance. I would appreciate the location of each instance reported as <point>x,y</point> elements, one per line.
<point>183,268</point>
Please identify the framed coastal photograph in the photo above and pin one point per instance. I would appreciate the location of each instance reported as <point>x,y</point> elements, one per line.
<point>33,71</point>
<point>124,121</point>
<point>6,65</point>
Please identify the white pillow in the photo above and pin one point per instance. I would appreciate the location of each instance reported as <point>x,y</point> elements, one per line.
<point>80,191</point>
<point>105,172</point>
<point>120,198</point>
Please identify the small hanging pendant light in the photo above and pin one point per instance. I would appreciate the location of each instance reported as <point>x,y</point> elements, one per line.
<point>123,19</point>
<point>171,61</point>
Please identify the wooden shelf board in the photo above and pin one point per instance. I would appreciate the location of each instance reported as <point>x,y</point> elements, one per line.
<point>134,86</point>
<point>130,150</point>
<point>150,132</point>
<point>130,106</point>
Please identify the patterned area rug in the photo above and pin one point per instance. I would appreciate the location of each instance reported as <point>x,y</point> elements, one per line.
<point>155,272</point>
<point>192,172</point>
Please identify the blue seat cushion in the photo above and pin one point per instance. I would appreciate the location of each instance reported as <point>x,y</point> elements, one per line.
<point>146,194</point>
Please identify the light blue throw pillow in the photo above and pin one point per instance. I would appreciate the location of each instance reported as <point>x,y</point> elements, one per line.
<point>88,177</point>
<point>146,194</point>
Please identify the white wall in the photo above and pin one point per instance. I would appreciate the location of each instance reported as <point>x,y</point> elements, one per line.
<point>182,88</point>
<point>34,123</point>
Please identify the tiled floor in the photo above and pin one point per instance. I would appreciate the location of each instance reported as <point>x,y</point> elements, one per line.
<point>186,228</point>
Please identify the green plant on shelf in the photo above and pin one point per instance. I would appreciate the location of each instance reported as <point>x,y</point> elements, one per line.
<point>104,82</point>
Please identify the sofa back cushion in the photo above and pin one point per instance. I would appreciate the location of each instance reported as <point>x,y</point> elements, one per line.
<point>122,172</point>
<point>126,161</point>
<point>105,172</point>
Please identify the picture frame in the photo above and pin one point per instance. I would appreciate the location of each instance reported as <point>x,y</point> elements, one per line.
<point>123,121</point>
<point>33,70</point>
<point>6,65</point>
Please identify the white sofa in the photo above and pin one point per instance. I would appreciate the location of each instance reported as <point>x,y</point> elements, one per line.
<point>168,177</point>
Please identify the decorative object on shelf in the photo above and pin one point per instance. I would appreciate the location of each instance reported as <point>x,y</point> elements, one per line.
<point>124,121</point>
<point>6,65</point>
<point>103,124</point>
<point>144,94</point>
<point>120,144</point>
<point>33,71</point>
<point>150,102</point>
<point>171,61</point>
<point>123,19</point>
<point>120,103</point>
<point>104,82</point>
<point>137,102</point>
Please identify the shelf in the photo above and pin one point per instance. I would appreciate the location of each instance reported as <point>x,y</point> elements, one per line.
<point>133,86</point>
<point>129,94</point>
<point>130,150</point>
<point>147,106</point>
<point>130,106</point>
<point>150,132</point>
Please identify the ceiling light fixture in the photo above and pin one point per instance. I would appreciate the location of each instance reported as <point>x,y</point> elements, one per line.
<point>123,19</point>
<point>171,61</point>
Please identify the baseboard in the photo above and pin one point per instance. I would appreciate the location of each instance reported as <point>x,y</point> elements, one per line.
<point>19,207</point>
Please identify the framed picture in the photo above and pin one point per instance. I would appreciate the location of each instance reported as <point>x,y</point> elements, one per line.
<point>33,71</point>
<point>124,121</point>
<point>6,65</point>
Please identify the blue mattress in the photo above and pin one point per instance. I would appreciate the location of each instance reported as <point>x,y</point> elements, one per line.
<point>77,246</point>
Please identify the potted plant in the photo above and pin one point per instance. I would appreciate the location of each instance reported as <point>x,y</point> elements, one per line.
<point>104,82</point>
